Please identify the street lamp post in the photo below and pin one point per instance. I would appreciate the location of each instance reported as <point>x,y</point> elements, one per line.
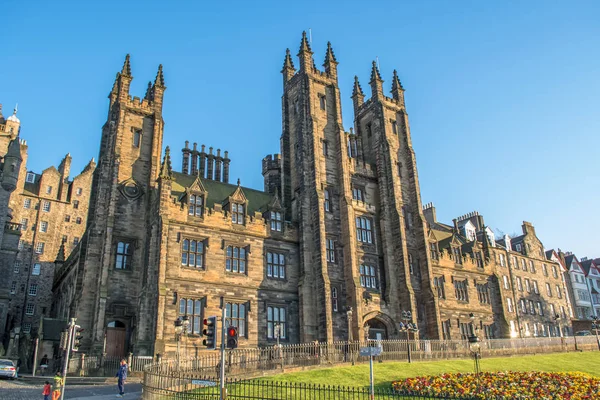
<point>595,327</point>
<point>178,330</point>
<point>185,324</point>
<point>408,326</point>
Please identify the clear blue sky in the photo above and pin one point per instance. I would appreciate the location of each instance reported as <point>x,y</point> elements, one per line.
<point>503,97</point>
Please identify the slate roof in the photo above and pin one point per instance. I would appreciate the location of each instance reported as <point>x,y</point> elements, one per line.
<point>586,265</point>
<point>219,192</point>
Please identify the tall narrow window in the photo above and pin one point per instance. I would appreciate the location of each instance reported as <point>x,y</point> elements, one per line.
<point>24,223</point>
<point>554,271</point>
<point>75,204</point>
<point>196,205</point>
<point>237,213</point>
<point>79,191</point>
<point>276,323</point>
<point>558,292</point>
<point>39,247</point>
<point>502,260</point>
<point>325,148</point>
<point>27,203</point>
<point>327,200</point>
<point>334,299</point>
<point>46,206</point>
<point>276,221</point>
<point>13,287</point>
<point>192,253</point>
<point>536,290</point>
<point>509,304</point>
<point>548,290</point>
<point>358,194</point>
<point>33,288</point>
<point>322,102</point>
<point>478,259</point>
<point>330,250</point>
<point>457,256</point>
<point>368,277</point>
<point>506,283</point>
<point>17,266</point>
<point>235,315</point>
<point>438,283</point>
<point>364,231</point>
<point>540,309</point>
<point>461,291</point>
<point>78,220</point>
<point>433,251</point>
<point>30,177</point>
<point>137,137</point>
<point>394,128</point>
<point>545,269</point>
<point>67,218</point>
<point>30,309</point>
<point>527,285</point>
<point>275,265</point>
<point>75,241</point>
<point>193,309</point>
<point>483,293</point>
<point>236,259</point>
<point>124,255</point>
<point>44,226</point>
<point>519,284</point>
<point>48,189</point>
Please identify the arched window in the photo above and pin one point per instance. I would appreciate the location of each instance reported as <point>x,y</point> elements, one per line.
<point>116,324</point>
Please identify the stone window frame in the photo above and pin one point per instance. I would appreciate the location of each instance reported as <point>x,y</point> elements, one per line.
<point>26,327</point>
<point>506,282</point>
<point>478,259</point>
<point>39,247</point>
<point>540,308</point>
<point>365,229</point>
<point>237,214</point>
<point>502,260</point>
<point>30,177</point>
<point>359,193</point>
<point>196,316</point>
<point>523,306</point>
<point>457,255</point>
<point>36,269</point>
<point>536,289</point>
<point>46,206</point>
<point>76,204</point>
<point>527,285</point>
<point>190,239</point>
<point>325,147</point>
<point>276,220</point>
<point>434,252</point>
<point>284,326</point>
<point>461,289</point>
<point>510,305</point>
<point>394,126</point>
<point>483,293</point>
<point>439,285</point>
<point>30,309</point>
<point>327,200</point>
<point>243,330</point>
<point>17,266</point>
<point>279,265</point>
<point>239,246</point>
<point>79,191</point>
<point>334,298</point>
<point>24,224</point>
<point>555,272</point>
<point>75,240</point>
<point>13,287</point>
<point>330,255</point>
<point>519,284</point>
<point>548,290</point>
<point>48,189</point>
<point>44,226</point>
<point>322,101</point>
<point>192,204</point>
<point>33,289</point>
<point>558,292</point>
<point>369,275</point>
<point>545,269</point>
<point>78,220</point>
<point>137,136</point>
<point>67,218</point>
<point>128,267</point>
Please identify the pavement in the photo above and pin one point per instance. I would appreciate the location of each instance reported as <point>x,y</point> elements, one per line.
<point>20,390</point>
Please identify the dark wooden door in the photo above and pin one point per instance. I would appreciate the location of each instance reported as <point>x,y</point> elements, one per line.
<point>115,341</point>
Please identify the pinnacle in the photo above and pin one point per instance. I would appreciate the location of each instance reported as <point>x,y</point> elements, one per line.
<point>396,84</point>
<point>160,78</point>
<point>330,55</point>
<point>165,170</point>
<point>126,70</point>
<point>115,87</point>
<point>357,89</point>
<point>148,95</point>
<point>61,253</point>
<point>288,63</point>
<point>304,44</point>
<point>375,75</point>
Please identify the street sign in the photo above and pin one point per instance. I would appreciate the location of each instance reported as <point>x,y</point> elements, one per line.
<point>370,351</point>
<point>203,383</point>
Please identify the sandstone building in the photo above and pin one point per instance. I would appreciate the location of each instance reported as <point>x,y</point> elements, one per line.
<point>49,213</point>
<point>338,240</point>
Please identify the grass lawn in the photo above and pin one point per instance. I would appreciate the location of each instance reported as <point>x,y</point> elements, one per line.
<point>387,372</point>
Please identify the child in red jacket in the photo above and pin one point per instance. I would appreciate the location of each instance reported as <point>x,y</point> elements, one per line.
<point>47,391</point>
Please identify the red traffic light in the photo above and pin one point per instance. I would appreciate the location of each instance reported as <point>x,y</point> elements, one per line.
<point>232,331</point>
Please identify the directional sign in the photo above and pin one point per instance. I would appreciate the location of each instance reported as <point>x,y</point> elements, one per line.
<point>370,351</point>
<point>203,383</point>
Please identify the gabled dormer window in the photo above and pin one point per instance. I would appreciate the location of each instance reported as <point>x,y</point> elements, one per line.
<point>276,221</point>
<point>457,255</point>
<point>478,259</point>
<point>238,213</point>
<point>196,205</point>
<point>433,251</point>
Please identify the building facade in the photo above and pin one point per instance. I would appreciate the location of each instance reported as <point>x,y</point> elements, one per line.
<point>577,286</point>
<point>337,241</point>
<point>591,268</point>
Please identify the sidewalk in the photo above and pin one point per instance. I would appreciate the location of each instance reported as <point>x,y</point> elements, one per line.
<point>128,396</point>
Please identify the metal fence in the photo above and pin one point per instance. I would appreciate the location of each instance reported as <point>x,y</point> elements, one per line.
<point>253,362</point>
<point>83,365</point>
<point>197,389</point>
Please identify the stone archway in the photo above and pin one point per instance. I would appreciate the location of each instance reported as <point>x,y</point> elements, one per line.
<point>381,326</point>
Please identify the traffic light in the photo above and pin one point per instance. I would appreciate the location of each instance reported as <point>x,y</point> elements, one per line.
<point>64,340</point>
<point>77,336</point>
<point>210,329</point>
<point>232,337</point>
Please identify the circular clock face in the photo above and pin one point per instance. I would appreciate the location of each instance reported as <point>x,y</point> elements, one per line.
<point>131,189</point>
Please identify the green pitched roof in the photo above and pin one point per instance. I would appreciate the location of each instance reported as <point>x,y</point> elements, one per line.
<point>218,192</point>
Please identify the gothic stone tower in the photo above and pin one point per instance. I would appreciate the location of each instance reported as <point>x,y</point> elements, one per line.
<point>114,268</point>
<point>355,198</point>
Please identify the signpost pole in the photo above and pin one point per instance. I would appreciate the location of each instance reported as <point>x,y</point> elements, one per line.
<point>371,377</point>
<point>223,393</point>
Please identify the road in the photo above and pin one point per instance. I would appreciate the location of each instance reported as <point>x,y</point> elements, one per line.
<point>15,390</point>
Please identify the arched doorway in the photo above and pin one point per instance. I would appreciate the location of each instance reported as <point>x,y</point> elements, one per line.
<point>116,339</point>
<point>377,329</point>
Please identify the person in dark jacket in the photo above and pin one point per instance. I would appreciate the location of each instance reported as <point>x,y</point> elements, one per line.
<point>122,377</point>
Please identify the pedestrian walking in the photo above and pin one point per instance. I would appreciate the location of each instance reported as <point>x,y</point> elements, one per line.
<point>44,364</point>
<point>58,383</point>
<point>122,377</point>
<point>47,390</point>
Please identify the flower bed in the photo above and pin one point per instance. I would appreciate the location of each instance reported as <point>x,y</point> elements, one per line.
<point>505,385</point>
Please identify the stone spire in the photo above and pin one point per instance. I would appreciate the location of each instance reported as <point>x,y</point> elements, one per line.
<point>376,82</point>
<point>330,63</point>
<point>115,87</point>
<point>126,70</point>
<point>305,54</point>
<point>397,89</point>
<point>288,66</point>
<point>60,257</point>
<point>166,172</point>
<point>357,93</point>
<point>160,78</point>
<point>148,95</point>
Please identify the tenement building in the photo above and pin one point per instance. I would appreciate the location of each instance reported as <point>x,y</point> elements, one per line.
<point>49,210</point>
<point>337,241</point>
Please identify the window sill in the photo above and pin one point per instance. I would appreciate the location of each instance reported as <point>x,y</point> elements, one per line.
<point>187,267</point>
